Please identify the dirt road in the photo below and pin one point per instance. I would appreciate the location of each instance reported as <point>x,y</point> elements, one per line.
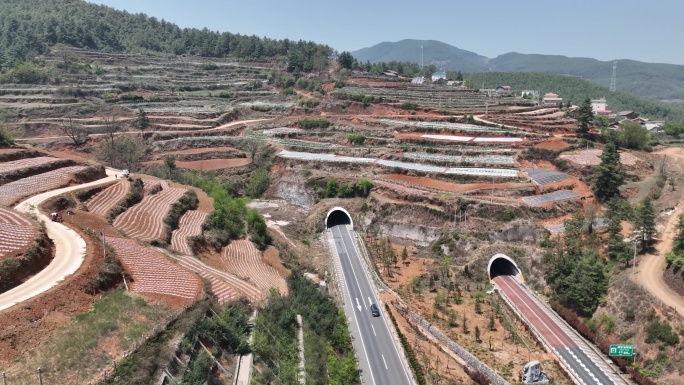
<point>649,273</point>
<point>70,248</point>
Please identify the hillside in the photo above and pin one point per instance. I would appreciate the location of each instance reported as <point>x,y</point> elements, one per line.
<point>576,90</point>
<point>31,26</point>
<point>442,55</point>
<point>652,80</point>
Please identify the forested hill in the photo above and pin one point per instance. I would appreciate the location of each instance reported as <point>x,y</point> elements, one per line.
<point>29,27</point>
<point>656,81</point>
<point>576,90</point>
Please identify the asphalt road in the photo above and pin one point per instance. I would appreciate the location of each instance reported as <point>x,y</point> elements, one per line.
<point>379,357</point>
<point>585,368</point>
<point>70,248</point>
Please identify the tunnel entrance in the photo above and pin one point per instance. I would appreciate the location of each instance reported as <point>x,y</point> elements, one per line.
<point>501,264</point>
<point>338,216</point>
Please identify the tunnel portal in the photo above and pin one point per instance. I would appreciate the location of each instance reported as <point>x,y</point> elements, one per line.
<point>501,264</point>
<point>338,216</point>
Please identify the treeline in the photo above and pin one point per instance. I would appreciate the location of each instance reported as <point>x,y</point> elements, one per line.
<point>574,89</point>
<point>329,352</point>
<point>30,27</point>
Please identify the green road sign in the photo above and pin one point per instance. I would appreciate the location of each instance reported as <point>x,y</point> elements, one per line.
<point>621,350</point>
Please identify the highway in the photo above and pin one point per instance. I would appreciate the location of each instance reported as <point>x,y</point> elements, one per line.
<point>586,365</point>
<point>70,248</point>
<point>379,357</point>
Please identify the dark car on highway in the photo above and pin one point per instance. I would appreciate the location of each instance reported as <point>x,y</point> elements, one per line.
<point>375,311</point>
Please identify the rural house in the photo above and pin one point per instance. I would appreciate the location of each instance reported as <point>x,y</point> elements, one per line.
<point>551,99</point>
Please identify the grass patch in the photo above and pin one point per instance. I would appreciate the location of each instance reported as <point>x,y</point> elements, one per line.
<point>80,349</point>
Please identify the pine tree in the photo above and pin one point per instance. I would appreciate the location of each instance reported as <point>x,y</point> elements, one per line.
<point>676,255</point>
<point>618,250</point>
<point>142,122</point>
<point>478,305</point>
<point>608,176</point>
<point>477,333</point>
<point>585,115</point>
<point>404,255</point>
<point>491,325</point>
<point>465,325</point>
<point>645,221</point>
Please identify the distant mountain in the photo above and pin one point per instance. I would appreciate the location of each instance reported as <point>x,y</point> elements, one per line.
<point>663,82</point>
<point>442,55</point>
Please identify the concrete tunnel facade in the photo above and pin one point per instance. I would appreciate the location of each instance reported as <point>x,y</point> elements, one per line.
<point>338,216</point>
<point>502,264</point>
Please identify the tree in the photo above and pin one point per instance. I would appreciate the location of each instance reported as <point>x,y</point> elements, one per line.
<point>404,255</point>
<point>465,324</point>
<point>618,250</point>
<point>345,60</point>
<point>478,305</point>
<point>142,122</point>
<point>589,283</point>
<point>170,164</point>
<point>673,128</point>
<point>585,115</point>
<point>676,255</point>
<point>491,324</point>
<point>608,176</point>
<point>75,131</point>
<point>124,153</point>
<point>258,183</point>
<point>645,221</point>
<point>459,76</point>
<point>257,228</point>
<point>634,137</point>
<point>477,334</point>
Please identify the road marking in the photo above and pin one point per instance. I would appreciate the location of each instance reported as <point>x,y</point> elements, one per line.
<point>369,301</point>
<point>374,330</point>
<point>351,265</point>
<point>383,360</point>
<point>370,367</point>
<point>357,303</point>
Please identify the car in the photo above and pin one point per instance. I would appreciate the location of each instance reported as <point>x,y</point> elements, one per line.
<point>375,311</point>
<point>125,173</point>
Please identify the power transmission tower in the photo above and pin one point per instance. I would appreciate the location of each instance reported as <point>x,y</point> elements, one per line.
<point>421,55</point>
<point>613,80</point>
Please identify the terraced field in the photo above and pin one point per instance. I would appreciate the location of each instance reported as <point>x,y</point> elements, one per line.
<point>245,261</point>
<point>13,191</point>
<point>104,201</point>
<point>190,224</point>
<point>224,285</point>
<point>16,233</point>
<point>8,167</point>
<point>153,273</point>
<point>145,220</point>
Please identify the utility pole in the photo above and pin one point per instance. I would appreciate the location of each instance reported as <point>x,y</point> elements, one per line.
<point>40,377</point>
<point>104,249</point>
<point>634,259</point>
<point>4,379</point>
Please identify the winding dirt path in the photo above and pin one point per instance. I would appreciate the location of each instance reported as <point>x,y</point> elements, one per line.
<point>70,248</point>
<point>649,274</point>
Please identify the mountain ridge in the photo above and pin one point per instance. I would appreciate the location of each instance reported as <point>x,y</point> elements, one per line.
<point>658,81</point>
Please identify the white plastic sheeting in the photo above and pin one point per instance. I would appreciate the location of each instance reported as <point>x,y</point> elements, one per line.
<point>493,172</point>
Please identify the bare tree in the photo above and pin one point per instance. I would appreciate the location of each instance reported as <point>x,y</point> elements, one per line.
<point>75,131</point>
<point>110,127</point>
<point>252,146</point>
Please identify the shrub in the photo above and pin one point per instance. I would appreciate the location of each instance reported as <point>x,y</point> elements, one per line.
<point>409,106</point>
<point>257,230</point>
<point>289,91</point>
<point>186,202</point>
<point>308,123</point>
<point>656,331</point>
<point>356,139</point>
<point>224,95</point>
<point>339,84</point>
<point>309,103</point>
<point>109,275</point>
<point>413,361</point>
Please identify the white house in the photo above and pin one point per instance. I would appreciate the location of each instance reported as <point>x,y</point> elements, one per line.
<point>418,80</point>
<point>599,105</point>
<point>551,99</point>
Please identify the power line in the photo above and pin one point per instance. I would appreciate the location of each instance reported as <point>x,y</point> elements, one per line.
<point>613,80</point>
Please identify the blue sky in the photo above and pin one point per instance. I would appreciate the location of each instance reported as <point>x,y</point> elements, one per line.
<point>602,29</point>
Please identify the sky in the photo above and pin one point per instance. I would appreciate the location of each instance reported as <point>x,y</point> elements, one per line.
<point>649,31</point>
